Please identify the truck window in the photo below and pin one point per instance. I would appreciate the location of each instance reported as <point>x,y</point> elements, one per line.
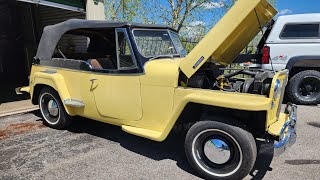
<point>300,31</point>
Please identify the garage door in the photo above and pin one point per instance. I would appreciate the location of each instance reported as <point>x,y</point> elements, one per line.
<point>50,15</point>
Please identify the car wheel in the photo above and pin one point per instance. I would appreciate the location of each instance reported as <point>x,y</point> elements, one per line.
<point>52,109</point>
<point>220,151</point>
<point>304,88</point>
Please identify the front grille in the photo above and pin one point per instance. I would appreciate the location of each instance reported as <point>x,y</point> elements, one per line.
<point>284,84</point>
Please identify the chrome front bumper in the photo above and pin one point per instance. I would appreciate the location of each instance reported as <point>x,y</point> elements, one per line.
<point>288,132</point>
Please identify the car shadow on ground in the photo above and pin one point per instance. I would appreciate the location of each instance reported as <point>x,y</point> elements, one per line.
<point>264,159</point>
<point>172,148</point>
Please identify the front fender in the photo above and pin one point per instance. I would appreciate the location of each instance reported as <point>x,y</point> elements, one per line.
<point>55,81</point>
<point>230,100</point>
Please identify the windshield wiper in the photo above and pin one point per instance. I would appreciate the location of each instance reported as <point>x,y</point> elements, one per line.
<point>161,56</point>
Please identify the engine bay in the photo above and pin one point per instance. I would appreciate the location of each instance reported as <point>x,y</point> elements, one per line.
<point>216,77</point>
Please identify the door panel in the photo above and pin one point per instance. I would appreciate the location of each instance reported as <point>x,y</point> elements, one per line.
<point>118,96</point>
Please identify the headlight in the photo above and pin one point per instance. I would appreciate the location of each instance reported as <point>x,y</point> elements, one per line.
<point>277,89</point>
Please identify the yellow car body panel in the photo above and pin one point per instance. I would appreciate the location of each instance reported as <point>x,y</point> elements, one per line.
<point>55,81</point>
<point>117,96</point>
<point>158,85</point>
<point>183,96</point>
<point>275,128</point>
<point>68,83</point>
<point>230,35</point>
<point>217,98</point>
<point>162,72</point>
<point>160,105</point>
<point>148,104</point>
<point>274,111</point>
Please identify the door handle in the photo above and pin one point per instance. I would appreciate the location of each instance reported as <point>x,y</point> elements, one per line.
<point>93,85</point>
<point>93,79</point>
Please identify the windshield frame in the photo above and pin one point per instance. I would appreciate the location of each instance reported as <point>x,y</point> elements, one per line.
<point>160,55</point>
<point>177,34</point>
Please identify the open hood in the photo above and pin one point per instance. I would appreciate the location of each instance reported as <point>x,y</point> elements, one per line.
<point>230,35</point>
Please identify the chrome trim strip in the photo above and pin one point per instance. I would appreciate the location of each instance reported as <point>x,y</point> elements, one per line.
<point>73,102</point>
<point>92,72</point>
<point>49,71</point>
<point>288,133</point>
<point>72,60</point>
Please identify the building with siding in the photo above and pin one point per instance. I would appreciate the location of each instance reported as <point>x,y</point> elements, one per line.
<point>21,25</point>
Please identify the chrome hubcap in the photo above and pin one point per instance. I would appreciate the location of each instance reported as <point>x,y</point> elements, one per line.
<point>53,108</point>
<point>217,151</point>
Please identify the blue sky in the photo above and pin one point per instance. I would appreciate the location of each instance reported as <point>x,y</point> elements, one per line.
<point>214,10</point>
<point>298,6</point>
<point>285,7</point>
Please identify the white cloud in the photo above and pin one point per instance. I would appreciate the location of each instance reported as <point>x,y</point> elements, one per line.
<point>212,5</point>
<point>197,23</point>
<point>194,29</point>
<point>285,11</point>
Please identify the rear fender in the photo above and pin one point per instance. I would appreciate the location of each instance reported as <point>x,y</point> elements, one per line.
<point>55,81</point>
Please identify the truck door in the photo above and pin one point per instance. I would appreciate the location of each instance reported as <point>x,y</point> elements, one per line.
<point>117,94</point>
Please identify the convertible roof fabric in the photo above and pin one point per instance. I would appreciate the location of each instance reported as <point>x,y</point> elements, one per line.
<point>52,34</point>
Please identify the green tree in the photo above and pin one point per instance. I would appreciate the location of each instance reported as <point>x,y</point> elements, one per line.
<point>123,10</point>
<point>179,14</point>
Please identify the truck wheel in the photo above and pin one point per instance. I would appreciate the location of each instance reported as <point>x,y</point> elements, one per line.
<point>304,88</point>
<point>220,151</point>
<point>52,109</point>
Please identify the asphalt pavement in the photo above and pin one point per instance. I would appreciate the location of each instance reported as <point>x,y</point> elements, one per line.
<point>94,150</point>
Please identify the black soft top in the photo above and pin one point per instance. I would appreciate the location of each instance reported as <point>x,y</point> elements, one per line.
<point>52,34</point>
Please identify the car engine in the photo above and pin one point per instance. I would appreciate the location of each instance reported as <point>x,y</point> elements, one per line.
<point>215,77</point>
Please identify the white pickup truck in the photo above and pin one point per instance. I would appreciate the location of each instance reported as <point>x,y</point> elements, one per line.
<point>293,42</point>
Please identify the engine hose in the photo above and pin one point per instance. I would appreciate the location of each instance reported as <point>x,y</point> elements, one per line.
<point>240,72</point>
<point>223,89</point>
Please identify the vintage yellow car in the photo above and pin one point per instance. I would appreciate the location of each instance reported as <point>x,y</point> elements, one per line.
<point>140,77</point>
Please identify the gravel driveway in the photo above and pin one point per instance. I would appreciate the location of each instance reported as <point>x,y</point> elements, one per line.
<point>93,150</point>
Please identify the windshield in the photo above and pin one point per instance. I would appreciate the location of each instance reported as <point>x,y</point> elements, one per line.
<point>153,43</point>
<point>178,45</point>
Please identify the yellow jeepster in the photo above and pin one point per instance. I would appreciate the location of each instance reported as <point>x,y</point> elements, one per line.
<point>140,77</point>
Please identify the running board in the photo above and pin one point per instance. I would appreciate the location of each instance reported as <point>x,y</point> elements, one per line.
<point>74,103</point>
<point>146,133</point>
